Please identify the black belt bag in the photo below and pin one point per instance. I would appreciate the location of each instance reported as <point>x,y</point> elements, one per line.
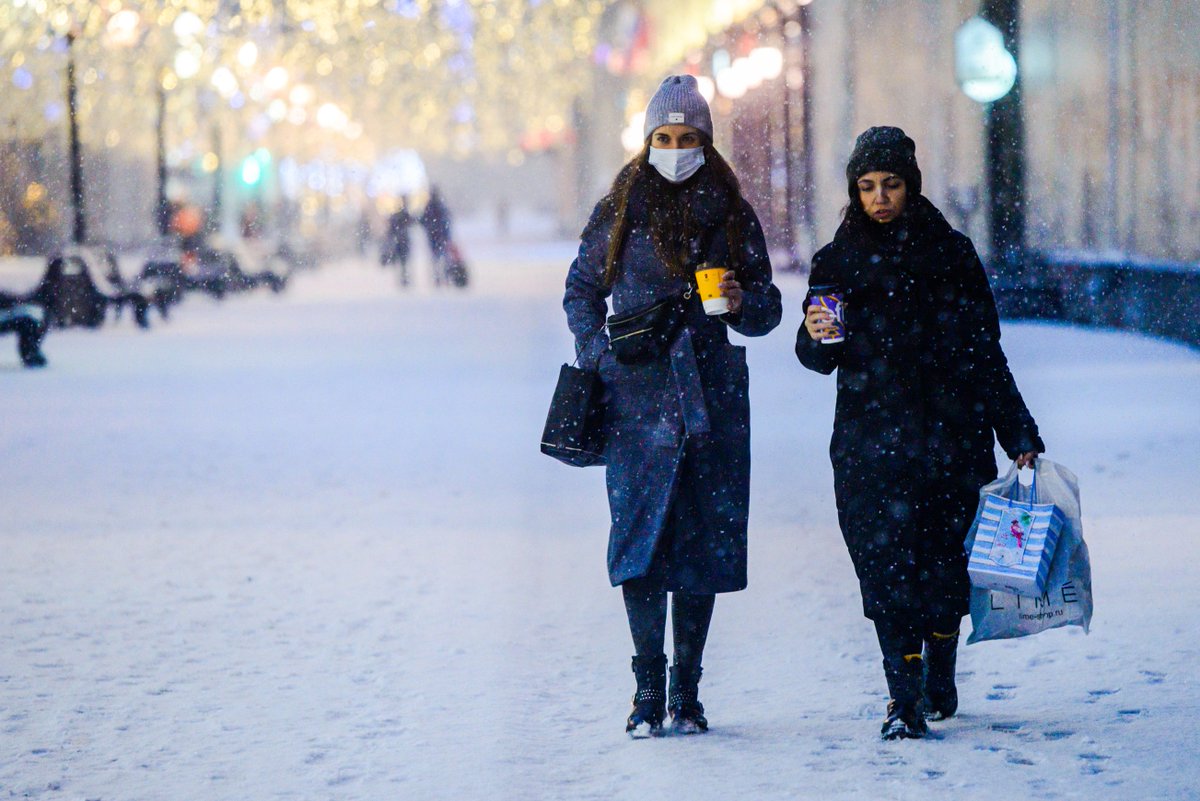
<point>645,333</point>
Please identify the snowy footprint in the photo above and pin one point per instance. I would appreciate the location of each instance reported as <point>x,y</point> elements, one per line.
<point>1057,734</point>
<point>1092,762</point>
<point>1001,692</point>
<point>1096,695</point>
<point>1008,727</point>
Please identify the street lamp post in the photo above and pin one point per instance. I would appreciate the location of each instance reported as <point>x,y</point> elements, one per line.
<point>162,209</point>
<point>797,132</point>
<point>79,226</point>
<point>122,38</point>
<point>215,215</point>
<point>1004,126</point>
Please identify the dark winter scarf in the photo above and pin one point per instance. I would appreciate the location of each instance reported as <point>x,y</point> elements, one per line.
<point>920,227</point>
<point>685,211</point>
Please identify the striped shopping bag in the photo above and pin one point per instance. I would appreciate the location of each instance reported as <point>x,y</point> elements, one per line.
<point>1014,543</point>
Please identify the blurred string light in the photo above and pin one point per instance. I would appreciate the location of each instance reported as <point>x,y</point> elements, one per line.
<point>187,63</point>
<point>276,80</point>
<point>444,76</point>
<point>122,28</point>
<point>22,78</point>
<point>225,82</point>
<point>188,26</point>
<point>692,23</point>
<point>248,55</point>
<point>767,62</point>
<point>631,138</point>
<point>732,47</point>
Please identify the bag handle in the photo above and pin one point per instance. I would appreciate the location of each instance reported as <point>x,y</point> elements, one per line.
<point>588,342</point>
<point>1032,487</point>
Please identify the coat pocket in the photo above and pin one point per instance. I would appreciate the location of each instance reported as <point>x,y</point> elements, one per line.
<point>634,394</point>
<point>725,378</point>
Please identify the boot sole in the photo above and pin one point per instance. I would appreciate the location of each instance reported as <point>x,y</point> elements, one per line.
<point>902,731</point>
<point>906,734</point>
<point>644,732</point>
<point>936,711</point>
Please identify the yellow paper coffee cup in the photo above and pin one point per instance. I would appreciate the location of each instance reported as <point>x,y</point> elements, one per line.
<point>708,281</point>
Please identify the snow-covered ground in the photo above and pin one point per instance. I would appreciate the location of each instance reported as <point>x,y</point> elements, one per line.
<point>304,547</point>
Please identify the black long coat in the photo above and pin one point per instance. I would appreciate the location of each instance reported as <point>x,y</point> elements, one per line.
<point>436,219</point>
<point>922,384</point>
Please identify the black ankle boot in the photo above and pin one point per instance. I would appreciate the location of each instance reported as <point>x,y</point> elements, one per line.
<point>905,711</point>
<point>649,702</point>
<point>941,695</point>
<point>687,713</point>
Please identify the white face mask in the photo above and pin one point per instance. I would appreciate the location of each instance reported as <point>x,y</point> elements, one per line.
<point>677,164</point>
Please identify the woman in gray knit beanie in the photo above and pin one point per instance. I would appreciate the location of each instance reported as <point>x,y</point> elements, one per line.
<point>677,422</point>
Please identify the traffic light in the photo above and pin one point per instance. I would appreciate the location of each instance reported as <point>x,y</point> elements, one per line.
<point>251,171</point>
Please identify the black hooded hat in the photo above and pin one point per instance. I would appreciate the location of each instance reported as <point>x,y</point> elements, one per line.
<point>885,149</point>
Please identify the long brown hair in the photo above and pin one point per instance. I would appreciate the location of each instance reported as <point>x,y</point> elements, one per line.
<point>672,225</point>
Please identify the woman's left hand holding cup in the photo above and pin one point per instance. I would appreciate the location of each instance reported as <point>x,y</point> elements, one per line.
<point>731,289</point>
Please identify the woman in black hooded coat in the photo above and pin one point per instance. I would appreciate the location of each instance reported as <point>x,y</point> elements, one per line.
<point>922,385</point>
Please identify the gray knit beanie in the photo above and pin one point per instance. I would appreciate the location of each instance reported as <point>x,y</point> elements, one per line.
<point>678,102</point>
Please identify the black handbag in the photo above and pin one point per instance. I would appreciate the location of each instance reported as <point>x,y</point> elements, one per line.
<point>574,432</point>
<point>643,334</point>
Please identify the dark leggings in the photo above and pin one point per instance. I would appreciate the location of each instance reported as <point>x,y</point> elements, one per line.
<point>646,606</point>
<point>901,636</point>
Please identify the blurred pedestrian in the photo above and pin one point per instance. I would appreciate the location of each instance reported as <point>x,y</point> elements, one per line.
<point>678,442</point>
<point>922,384</point>
<point>397,242</point>
<point>252,221</point>
<point>186,221</point>
<point>502,217</point>
<point>436,221</point>
<point>363,235</point>
<point>28,323</point>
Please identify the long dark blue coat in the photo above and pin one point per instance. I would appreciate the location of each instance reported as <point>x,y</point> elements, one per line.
<point>922,385</point>
<point>678,451</point>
